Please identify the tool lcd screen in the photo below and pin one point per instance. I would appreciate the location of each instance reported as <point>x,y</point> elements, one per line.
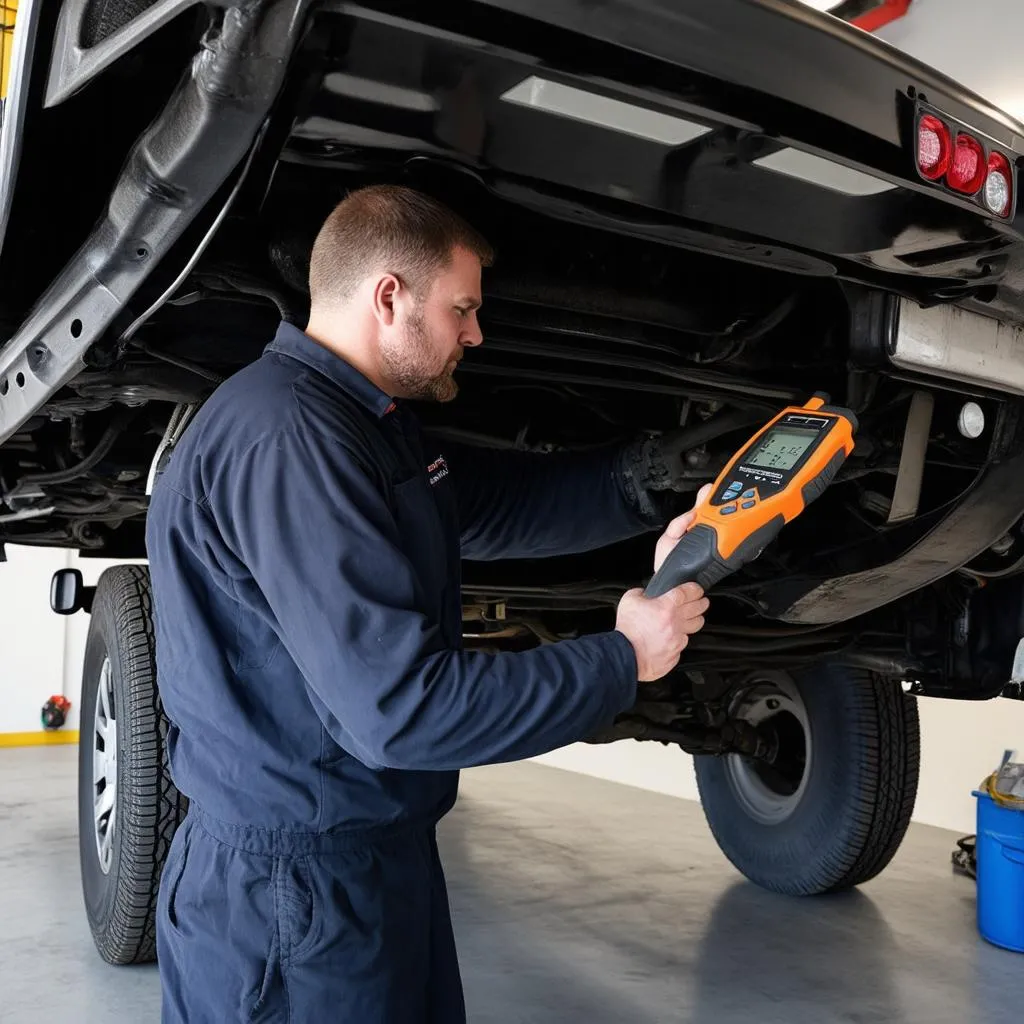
<point>781,448</point>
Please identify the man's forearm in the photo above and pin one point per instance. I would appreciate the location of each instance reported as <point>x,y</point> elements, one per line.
<point>532,505</point>
<point>459,709</point>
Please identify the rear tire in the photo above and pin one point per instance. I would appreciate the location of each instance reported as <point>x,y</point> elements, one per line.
<point>834,810</point>
<point>129,809</point>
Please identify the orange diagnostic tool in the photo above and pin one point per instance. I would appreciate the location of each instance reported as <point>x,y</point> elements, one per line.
<point>786,465</point>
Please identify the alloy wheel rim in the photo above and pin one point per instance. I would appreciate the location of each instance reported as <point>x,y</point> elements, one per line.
<point>770,794</point>
<point>104,770</point>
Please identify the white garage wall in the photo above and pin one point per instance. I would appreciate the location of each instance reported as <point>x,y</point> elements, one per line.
<point>42,652</point>
<point>961,742</point>
<point>31,637</point>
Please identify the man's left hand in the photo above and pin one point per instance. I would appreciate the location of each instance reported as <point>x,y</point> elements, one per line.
<point>657,463</point>
<point>677,527</point>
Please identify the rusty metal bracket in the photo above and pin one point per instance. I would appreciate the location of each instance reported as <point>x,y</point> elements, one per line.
<point>907,492</point>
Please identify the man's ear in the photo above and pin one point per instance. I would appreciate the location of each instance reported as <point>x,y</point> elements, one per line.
<point>385,295</point>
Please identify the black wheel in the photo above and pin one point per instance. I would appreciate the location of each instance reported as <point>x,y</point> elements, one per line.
<point>832,810</point>
<point>128,809</point>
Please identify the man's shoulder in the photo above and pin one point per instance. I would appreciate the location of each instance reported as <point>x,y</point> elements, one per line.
<point>276,393</point>
<point>270,401</point>
<point>253,401</point>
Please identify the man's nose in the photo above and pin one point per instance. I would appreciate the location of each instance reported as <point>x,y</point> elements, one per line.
<point>471,334</point>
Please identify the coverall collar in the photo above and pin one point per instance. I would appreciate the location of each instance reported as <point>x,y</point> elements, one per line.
<point>290,341</point>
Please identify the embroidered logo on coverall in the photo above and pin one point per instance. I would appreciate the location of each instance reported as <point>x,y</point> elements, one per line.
<point>438,470</point>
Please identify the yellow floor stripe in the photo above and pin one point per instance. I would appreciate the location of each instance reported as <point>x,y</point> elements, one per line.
<point>38,739</point>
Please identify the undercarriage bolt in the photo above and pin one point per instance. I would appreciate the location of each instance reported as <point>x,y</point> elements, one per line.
<point>1003,546</point>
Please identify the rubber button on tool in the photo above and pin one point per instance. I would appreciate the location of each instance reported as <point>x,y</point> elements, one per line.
<point>727,510</point>
<point>748,494</point>
<point>749,504</point>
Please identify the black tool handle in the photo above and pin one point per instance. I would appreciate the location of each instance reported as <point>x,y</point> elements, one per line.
<point>694,558</point>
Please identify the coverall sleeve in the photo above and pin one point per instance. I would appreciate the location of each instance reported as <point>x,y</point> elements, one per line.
<point>310,522</point>
<point>533,505</point>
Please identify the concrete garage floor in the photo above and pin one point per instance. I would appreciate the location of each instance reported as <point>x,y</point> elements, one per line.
<point>574,900</point>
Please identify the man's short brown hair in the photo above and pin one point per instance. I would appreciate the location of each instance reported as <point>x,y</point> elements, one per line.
<point>392,229</point>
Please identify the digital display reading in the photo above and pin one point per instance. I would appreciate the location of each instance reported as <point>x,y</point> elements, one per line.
<point>781,448</point>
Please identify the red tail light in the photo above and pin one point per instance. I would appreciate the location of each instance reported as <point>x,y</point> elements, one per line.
<point>933,147</point>
<point>952,156</point>
<point>998,185</point>
<point>967,168</point>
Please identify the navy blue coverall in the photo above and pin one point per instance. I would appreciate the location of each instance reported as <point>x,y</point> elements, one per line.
<point>304,544</point>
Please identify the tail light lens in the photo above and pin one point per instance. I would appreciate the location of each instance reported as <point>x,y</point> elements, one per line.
<point>952,156</point>
<point>998,185</point>
<point>933,147</point>
<point>967,168</point>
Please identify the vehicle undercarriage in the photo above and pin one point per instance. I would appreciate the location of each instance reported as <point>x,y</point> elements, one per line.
<point>596,332</point>
<point>648,279</point>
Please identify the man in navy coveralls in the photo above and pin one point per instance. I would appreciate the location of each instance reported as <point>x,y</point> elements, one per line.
<point>304,543</point>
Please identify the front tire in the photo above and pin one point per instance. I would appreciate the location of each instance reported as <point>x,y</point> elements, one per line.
<point>833,810</point>
<point>128,807</point>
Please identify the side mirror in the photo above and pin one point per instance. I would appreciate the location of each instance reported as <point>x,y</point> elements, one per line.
<point>68,594</point>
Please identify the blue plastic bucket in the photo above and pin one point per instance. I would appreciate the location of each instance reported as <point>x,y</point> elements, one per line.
<point>1000,870</point>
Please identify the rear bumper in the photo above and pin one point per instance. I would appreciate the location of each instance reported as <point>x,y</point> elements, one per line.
<point>789,141</point>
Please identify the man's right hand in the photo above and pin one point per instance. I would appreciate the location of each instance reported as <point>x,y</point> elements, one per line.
<point>659,628</point>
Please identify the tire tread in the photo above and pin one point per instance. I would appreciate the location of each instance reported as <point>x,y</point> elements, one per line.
<point>883,725</point>
<point>890,746</point>
<point>150,806</point>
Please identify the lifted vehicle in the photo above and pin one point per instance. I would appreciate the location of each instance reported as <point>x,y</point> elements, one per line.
<point>702,213</point>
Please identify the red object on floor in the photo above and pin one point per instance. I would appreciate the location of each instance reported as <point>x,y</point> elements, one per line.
<point>55,711</point>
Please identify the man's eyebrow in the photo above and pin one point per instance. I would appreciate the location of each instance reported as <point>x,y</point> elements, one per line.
<point>469,302</point>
